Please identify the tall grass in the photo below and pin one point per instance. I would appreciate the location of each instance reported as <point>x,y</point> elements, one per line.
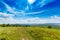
<point>29,33</point>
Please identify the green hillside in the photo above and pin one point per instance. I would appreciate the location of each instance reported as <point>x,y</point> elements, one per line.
<point>29,33</point>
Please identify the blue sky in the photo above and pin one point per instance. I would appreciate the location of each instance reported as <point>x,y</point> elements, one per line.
<point>29,11</point>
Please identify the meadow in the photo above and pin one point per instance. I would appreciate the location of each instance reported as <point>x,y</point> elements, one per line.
<point>29,33</point>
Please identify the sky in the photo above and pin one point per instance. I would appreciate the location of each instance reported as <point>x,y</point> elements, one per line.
<point>29,11</point>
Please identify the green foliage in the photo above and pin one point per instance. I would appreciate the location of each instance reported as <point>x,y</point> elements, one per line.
<point>7,25</point>
<point>49,26</point>
<point>3,25</point>
<point>3,39</point>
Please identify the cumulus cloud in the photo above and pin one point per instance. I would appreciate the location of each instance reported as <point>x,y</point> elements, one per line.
<point>36,20</point>
<point>31,1</point>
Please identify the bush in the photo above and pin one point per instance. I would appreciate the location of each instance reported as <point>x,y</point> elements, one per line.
<point>49,27</point>
<point>3,25</point>
<point>7,24</point>
<point>3,39</point>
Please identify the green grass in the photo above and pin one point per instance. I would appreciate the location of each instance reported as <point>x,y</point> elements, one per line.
<point>29,33</point>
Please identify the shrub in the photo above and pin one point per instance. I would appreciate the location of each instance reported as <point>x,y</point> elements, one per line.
<point>3,25</point>
<point>3,39</point>
<point>49,27</point>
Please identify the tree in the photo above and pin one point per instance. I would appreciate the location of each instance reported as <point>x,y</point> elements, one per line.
<point>3,25</point>
<point>7,24</point>
<point>49,27</point>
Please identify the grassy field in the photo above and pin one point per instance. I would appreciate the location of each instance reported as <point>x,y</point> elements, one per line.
<point>29,33</point>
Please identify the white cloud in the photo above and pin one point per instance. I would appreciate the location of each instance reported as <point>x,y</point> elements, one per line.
<point>36,12</point>
<point>44,2</point>
<point>5,14</point>
<point>39,12</point>
<point>36,20</point>
<point>13,10</point>
<point>31,1</point>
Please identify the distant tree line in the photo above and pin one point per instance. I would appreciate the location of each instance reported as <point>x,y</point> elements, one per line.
<point>13,25</point>
<point>19,25</point>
